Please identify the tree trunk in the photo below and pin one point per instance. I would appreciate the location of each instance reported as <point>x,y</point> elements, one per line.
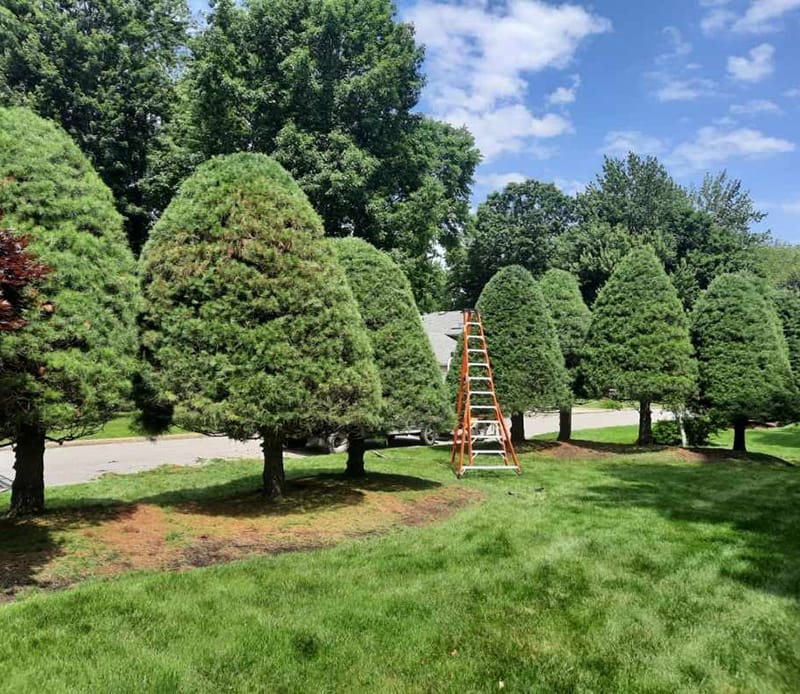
<point>518,427</point>
<point>27,491</point>
<point>274,478</point>
<point>739,430</point>
<point>645,424</point>
<point>565,423</point>
<point>355,456</point>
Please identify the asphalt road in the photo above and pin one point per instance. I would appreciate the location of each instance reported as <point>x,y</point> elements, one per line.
<point>84,461</point>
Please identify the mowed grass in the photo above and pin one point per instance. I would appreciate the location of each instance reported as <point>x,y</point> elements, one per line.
<point>603,572</point>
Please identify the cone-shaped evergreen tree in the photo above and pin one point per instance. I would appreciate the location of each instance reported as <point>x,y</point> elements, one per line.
<point>249,324</point>
<point>414,393</point>
<point>638,342</point>
<point>528,366</point>
<point>66,371</point>
<point>572,319</point>
<point>742,354</point>
<point>787,301</point>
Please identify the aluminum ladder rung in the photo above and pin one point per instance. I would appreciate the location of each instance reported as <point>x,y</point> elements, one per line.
<point>474,337</point>
<point>484,421</point>
<point>478,363</point>
<point>481,407</point>
<point>479,378</point>
<point>486,438</point>
<point>492,452</point>
<point>488,467</point>
<point>481,392</point>
<point>477,351</point>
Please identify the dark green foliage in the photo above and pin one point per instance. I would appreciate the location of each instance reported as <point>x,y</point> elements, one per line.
<point>328,88</point>
<point>788,304</point>
<point>571,316</point>
<point>634,202</point>
<point>517,226</point>
<point>741,351</point>
<point>103,70</point>
<point>698,429</point>
<point>413,389</point>
<point>638,342</point>
<point>779,263</point>
<point>69,368</point>
<point>249,323</point>
<point>528,367</point>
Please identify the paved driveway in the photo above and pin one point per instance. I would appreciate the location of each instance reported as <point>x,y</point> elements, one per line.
<point>84,461</point>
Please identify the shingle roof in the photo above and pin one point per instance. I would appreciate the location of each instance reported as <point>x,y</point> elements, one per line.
<point>443,329</point>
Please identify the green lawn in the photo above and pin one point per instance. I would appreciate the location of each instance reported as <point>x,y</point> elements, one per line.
<point>614,572</point>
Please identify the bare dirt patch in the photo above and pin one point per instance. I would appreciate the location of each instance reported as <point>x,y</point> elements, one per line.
<point>67,546</point>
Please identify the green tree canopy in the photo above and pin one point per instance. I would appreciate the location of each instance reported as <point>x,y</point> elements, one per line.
<point>528,366</point>
<point>68,369</point>
<point>638,343</point>
<point>249,324</point>
<point>414,393</point>
<point>744,363</point>
<point>104,71</point>
<point>572,319</point>
<point>327,87</point>
<point>519,225</point>
<point>788,304</point>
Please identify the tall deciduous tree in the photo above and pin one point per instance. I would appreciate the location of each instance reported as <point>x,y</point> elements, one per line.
<point>249,324</point>
<point>328,88</point>
<point>104,71</point>
<point>638,342</point>
<point>528,366</point>
<point>68,369</point>
<point>414,393</point>
<point>572,319</point>
<point>519,225</point>
<point>744,363</point>
<point>728,203</point>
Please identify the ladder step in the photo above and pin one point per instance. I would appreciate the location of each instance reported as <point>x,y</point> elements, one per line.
<point>474,453</point>
<point>478,363</point>
<point>481,392</point>
<point>471,323</point>
<point>478,351</point>
<point>479,378</point>
<point>488,467</point>
<point>486,438</point>
<point>484,421</point>
<point>481,407</point>
<point>474,337</point>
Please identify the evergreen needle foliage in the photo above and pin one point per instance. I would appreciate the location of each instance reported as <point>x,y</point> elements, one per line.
<point>572,319</point>
<point>742,353</point>
<point>787,302</point>
<point>249,323</point>
<point>639,342</point>
<point>414,393</point>
<point>68,369</point>
<point>523,346</point>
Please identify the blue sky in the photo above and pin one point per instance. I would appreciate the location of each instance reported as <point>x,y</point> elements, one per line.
<point>548,88</point>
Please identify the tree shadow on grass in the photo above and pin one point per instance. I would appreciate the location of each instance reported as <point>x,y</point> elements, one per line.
<point>27,545</point>
<point>762,505</point>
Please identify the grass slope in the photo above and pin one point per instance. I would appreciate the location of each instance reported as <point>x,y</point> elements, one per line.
<point>614,572</point>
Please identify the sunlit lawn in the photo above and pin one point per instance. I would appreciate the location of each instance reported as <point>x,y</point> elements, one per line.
<point>600,572</point>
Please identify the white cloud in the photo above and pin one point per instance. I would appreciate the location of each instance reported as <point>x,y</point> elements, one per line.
<point>764,15</point>
<point>793,93</point>
<point>565,95</point>
<point>713,145</point>
<point>755,107</point>
<point>498,181</point>
<point>569,187</point>
<point>685,89</point>
<point>755,66</point>
<point>678,47</point>
<point>620,142</point>
<point>717,20</point>
<point>480,54</point>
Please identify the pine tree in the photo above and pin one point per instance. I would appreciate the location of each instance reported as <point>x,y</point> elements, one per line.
<point>742,354</point>
<point>414,393</point>
<point>249,324</point>
<point>528,367</point>
<point>67,370</point>
<point>638,342</point>
<point>572,319</point>
<point>787,302</point>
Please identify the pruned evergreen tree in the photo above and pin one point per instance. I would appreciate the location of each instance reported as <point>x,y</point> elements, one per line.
<point>249,324</point>
<point>742,354</point>
<point>528,366</point>
<point>67,370</point>
<point>638,342</point>
<point>572,319</point>
<point>787,301</point>
<point>414,393</point>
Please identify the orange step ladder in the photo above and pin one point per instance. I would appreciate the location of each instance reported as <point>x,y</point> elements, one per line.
<point>479,420</point>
